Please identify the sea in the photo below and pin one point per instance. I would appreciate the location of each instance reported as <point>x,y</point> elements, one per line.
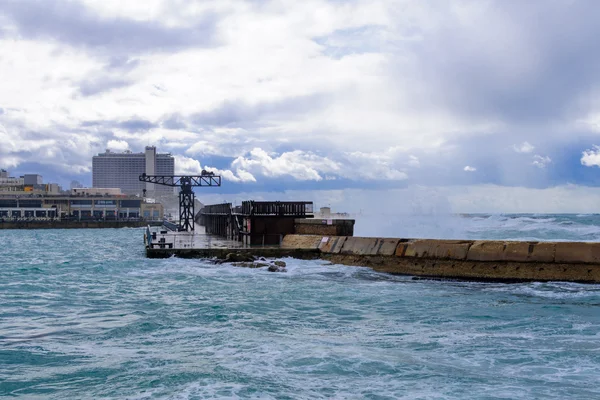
<point>84,315</point>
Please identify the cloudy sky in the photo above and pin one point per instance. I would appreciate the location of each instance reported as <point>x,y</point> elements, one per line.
<point>460,106</point>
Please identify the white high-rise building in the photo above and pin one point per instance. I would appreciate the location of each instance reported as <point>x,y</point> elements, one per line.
<point>122,170</point>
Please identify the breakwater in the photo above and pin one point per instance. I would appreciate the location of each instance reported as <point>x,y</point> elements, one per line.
<point>74,224</point>
<point>488,260</point>
<point>461,259</point>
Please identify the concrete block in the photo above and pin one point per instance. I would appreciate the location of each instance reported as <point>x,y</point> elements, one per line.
<point>442,249</point>
<point>529,252</point>
<point>487,250</point>
<point>360,246</point>
<point>386,247</point>
<point>516,251</point>
<point>577,253</point>
<point>301,242</point>
<point>332,244</point>
<point>543,252</point>
<point>401,248</point>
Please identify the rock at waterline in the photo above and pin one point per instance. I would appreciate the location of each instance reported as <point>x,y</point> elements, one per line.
<point>276,268</point>
<point>246,264</point>
<point>239,257</point>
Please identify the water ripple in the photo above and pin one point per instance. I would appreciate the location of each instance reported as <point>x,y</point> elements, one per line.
<point>85,315</point>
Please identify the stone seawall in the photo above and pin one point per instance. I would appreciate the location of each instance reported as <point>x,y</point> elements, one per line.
<point>460,259</point>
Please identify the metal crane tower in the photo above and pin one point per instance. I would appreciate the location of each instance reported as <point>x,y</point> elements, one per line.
<point>186,194</point>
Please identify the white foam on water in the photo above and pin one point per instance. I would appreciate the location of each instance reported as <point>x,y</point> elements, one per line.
<point>551,290</point>
<point>502,227</point>
<point>122,326</point>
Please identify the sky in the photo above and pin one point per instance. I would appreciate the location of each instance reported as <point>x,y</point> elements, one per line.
<point>396,106</point>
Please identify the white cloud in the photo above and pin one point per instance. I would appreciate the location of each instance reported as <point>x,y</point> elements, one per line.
<point>239,176</point>
<point>190,166</point>
<point>70,152</point>
<point>297,164</point>
<point>9,161</point>
<point>413,161</point>
<point>205,147</point>
<point>117,145</point>
<point>591,157</point>
<point>470,169</point>
<point>524,147</point>
<point>186,166</point>
<point>306,166</point>
<point>374,165</point>
<point>245,176</point>
<point>541,161</point>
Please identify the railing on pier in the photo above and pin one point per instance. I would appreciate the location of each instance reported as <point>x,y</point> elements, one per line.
<point>262,208</point>
<point>277,208</point>
<point>185,240</point>
<point>170,225</point>
<point>148,237</point>
<point>216,219</point>
<point>217,209</point>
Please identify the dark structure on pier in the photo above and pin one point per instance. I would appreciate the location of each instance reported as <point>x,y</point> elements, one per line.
<point>186,194</point>
<point>255,222</point>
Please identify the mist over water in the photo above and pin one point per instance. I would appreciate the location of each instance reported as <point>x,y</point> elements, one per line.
<point>85,315</point>
<point>533,227</point>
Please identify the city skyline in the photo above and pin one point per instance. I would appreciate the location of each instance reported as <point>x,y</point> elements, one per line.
<point>457,106</point>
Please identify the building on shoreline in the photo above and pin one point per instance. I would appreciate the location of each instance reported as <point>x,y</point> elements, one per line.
<point>82,191</point>
<point>27,198</point>
<point>122,170</point>
<point>26,184</point>
<point>79,207</point>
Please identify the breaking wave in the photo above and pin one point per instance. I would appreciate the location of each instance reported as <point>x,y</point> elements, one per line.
<point>534,227</point>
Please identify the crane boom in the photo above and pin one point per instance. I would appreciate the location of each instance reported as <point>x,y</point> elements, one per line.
<point>182,180</point>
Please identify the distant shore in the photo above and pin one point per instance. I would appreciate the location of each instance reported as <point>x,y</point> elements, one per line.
<point>75,224</point>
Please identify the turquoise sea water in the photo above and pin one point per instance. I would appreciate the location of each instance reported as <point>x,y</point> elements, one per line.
<point>83,315</point>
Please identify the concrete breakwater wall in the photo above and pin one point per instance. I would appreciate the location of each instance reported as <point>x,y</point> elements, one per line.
<point>460,259</point>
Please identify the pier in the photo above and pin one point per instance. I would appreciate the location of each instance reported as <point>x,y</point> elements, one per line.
<point>255,222</point>
<point>287,229</point>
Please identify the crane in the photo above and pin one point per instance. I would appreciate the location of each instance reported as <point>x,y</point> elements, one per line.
<point>186,194</point>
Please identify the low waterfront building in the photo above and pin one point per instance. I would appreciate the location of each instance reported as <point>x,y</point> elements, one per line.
<point>75,207</point>
<point>96,191</point>
<point>27,190</point>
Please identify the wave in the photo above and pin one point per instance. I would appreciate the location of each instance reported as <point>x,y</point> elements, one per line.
<point>534,227</point>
